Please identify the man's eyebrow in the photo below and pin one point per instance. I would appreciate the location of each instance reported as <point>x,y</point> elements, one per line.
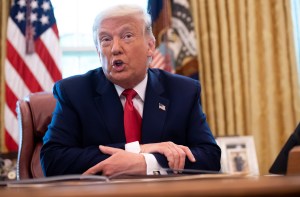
<point>123,29</point>
<point>101,33</point>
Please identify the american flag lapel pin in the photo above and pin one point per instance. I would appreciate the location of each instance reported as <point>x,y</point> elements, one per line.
<point>161,107</point>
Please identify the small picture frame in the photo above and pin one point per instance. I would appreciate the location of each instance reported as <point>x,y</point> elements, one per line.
<point>238,155</point>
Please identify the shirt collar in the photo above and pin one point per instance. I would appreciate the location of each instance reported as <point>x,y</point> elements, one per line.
<point>139,88</point>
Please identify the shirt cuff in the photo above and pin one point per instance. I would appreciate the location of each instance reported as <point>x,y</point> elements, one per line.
<point>153,167</point>
<point>133,147</point>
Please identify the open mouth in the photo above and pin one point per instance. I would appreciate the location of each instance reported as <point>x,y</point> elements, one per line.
<point>118,63</point>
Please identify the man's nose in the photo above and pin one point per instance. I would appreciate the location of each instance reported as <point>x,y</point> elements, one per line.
<point>116,48</point>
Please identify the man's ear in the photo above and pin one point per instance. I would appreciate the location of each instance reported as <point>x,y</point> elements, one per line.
<point>151,47</point>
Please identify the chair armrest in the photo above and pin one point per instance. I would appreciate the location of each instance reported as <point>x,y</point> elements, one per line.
<point>293,167</point>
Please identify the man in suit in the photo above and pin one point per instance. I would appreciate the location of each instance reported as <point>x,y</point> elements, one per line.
<point>88,133</point>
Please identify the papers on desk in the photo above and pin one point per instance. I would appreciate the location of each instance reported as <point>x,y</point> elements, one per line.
<point>179,177</point>
<point>54,181</point>
<point>75,180</point>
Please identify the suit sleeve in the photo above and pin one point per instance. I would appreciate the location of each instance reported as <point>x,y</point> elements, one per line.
<point>62,151</point>
<point>199,139</point>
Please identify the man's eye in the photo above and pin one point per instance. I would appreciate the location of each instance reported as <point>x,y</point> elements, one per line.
<point>105,39</point>
<point>127,36</point>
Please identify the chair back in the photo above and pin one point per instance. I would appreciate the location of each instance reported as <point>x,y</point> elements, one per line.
<point>34,115</point>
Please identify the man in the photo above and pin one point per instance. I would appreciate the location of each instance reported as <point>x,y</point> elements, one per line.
<point>88,133</point>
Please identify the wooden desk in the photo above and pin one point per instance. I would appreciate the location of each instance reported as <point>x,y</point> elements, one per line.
<point>259,186</point>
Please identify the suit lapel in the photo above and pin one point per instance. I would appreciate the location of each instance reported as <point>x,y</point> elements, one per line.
<point>155,110</point>
<point>109,105</point>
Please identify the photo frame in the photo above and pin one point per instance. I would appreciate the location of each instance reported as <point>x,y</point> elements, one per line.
<point>238,155</point>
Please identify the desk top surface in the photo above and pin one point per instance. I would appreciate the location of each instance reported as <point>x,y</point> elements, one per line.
<point>237,186</point>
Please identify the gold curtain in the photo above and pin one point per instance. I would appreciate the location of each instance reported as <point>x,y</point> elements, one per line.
<point>248,71</point>
<point>4,12</point>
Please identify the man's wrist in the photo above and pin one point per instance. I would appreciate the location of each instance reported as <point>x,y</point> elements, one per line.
<point>152,166</point>
<point>133,147</point>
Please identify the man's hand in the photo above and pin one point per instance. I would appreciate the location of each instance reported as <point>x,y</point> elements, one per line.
<point>174,153</point>
<point>119,161</point>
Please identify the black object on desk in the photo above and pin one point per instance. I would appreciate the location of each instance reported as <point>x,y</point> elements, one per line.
<point>280,164</point>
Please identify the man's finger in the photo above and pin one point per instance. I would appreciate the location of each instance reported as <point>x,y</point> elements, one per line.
<point>93,170</point>
<point>89,172</point>
<point>188,153</point>
<point>173,147</point>
<point>182,155</point>
<point>108,150</point>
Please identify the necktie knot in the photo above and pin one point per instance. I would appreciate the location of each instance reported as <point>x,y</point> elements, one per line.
<point>129,94</point>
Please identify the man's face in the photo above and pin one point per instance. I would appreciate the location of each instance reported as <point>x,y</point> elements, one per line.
<point>124,50</point>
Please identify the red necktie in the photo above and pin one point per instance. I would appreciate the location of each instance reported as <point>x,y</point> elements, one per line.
<point>132,118</point>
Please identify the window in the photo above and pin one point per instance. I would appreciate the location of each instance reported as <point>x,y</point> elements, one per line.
<point>75,20</point>
<point>296,21</point>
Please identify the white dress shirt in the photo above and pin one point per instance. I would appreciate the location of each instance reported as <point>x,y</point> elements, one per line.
<point>138,102</point>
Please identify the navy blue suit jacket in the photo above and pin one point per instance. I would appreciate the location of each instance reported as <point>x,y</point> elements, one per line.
<point>89,113</point>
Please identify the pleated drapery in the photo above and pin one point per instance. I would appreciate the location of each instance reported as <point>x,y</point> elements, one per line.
<point>248,71</point>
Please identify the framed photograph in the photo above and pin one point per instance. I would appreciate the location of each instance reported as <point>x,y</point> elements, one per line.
<point>238,155</point>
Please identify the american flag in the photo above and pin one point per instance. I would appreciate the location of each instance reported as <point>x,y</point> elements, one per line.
<point>32,58</point>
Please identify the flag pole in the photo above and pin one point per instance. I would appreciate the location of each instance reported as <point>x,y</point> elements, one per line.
<point>29,32</point>
<point>4,16</point>
<point>167,24</point>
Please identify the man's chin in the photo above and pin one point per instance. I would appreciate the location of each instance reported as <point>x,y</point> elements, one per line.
<point>124,82</point>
